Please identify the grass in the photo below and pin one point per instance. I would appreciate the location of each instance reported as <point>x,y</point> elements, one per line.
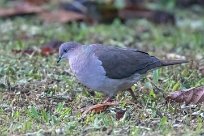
<point>37,96</point>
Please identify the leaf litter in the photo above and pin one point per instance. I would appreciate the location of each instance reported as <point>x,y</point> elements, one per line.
<point>193,95</point>
<point>20,9</point>
<point>87,11</point>
<point>45,50</point>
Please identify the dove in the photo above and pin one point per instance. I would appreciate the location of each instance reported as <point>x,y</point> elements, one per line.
<point>107,69</point>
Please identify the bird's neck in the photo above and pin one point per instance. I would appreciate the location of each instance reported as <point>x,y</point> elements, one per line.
<point>77,60</point>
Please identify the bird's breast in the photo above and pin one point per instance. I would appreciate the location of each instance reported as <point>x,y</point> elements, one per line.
<point>88,70</point>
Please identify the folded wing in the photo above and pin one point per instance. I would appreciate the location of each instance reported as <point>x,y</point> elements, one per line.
<point>122,63</point>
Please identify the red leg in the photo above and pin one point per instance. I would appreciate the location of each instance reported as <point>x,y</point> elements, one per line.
<point>108,99</point>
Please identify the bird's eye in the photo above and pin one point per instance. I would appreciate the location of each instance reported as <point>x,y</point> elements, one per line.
<point>65,50</point>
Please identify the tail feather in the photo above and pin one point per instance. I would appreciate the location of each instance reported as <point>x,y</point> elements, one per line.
<point>156,63</point>
<point>172,62</point>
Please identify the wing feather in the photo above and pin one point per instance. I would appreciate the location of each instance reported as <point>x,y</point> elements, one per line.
<point>122,63</point>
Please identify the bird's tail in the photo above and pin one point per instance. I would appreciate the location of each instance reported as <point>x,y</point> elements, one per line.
<point>172,62</point>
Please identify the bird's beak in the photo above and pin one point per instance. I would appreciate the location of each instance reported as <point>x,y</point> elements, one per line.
<point>59,59</point>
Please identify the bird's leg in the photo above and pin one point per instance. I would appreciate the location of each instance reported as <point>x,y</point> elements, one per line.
<point>134,97</point>
<point>109,99</point>
<point>159,89</point>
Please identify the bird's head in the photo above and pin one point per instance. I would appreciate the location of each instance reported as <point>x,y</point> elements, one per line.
<point>65,49</point>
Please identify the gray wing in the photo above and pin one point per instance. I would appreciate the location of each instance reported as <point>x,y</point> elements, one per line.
<point>122,63</point>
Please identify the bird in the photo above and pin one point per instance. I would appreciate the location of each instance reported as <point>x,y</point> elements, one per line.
<point>109,69</point>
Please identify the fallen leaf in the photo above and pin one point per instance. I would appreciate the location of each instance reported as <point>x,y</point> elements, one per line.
<point>45,50</point>
<point>120,114</point>
<point>20,9</point>
<point>192,95</point>
<point>51,47</point>
<point>98,108</point>
<point>61,16</point>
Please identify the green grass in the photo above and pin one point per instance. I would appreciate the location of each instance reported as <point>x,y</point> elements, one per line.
<point>35,92</point>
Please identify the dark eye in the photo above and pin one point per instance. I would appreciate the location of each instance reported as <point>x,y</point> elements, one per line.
<point>65,50</point>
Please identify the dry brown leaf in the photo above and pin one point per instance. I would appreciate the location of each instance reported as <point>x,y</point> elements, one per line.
<point>51,47</point>
<point>20,9</point>
<point>61,16</point>
<point>98,108</point>
<point>120,114</point>
<point>192,95</point>
<point>46,50</point>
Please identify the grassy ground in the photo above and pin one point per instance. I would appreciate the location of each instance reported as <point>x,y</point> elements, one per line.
<point>37,96</point>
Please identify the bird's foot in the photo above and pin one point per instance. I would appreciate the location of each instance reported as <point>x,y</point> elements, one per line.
<point>134,97</point>
<point>109,99</point>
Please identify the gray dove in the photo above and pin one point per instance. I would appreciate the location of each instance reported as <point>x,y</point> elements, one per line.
<point>109,69</point>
